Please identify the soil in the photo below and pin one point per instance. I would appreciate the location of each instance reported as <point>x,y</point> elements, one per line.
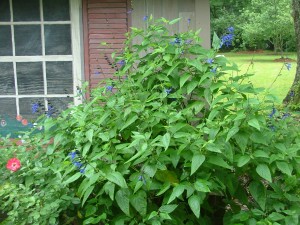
<point>284,60</point>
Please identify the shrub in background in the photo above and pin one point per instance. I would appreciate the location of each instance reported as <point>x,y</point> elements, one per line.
<point>175,139</point>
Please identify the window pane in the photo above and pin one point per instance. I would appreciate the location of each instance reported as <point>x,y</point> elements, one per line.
<point>30,78</point>
<point>7,83</point>
<point>4,10</point>
<point>56,105</point>
<point>56,10</point>
<point>5,41</point>
<point>31,108</point>
<point>26,10</point>
<point>8,106</point>
<point>28,40</point>
<point>59,77</point>
<point>58,39</point>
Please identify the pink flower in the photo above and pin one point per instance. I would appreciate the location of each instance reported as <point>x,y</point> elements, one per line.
<point>13,164</point>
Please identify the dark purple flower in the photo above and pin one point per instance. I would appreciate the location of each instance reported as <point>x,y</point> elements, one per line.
<point>272,113</point>
<point>292,94</point>
<point>177,40</point>
<point>285,115</point>
<point>189,21</point>
<point>145,18</point>
<point>141,178</point>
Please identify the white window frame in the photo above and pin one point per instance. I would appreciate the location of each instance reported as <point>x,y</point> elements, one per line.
<point>76,57</point>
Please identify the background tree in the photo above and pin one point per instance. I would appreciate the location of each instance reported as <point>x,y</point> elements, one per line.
<point>293,96</point>
<point>268,22</point>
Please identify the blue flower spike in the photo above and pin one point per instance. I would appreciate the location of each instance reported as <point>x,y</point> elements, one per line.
<point>109,87</point>
<point>168,91</point>
<point>288,66</point>
<point>35,107</point>
<point>145,18</point>
<point>210,61</point>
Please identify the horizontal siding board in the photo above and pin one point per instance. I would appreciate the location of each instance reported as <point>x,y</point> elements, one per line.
<point>107,5</point>
<point>107,21</point>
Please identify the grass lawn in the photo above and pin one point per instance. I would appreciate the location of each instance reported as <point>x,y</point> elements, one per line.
<point>265,69</point>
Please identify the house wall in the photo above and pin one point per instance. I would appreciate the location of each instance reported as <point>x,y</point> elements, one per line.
<point>108,21</point>
<point>198,11</point>
<point>103,21</point>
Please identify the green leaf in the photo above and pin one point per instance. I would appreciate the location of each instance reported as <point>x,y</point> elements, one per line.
<point>194,203</point>
<point>139,202</point>
<point>116,178</point>
<point>232,132</point>
<point>284,167</point>
<point>218,161</point>
<point>216,44</point>
<point>201,185</point>
<point>166,140</point>
<point>254,123</point>
<point>264,171</point>
<point>87,194</point>
<point>191,86</point>
<point>129,122</point>
<point>86,148</point>
<point>174,21</point>
<point>164,188</point>
<point>184,78</point>
<point>90,210</point>
<point>197,161</point>
<point>258,192</point>
<point>89,134</point>
<point>122,199</point>
<point>177,191</point>
<point>243,160</point>
<point>167,208</point>
<point>73,178</point>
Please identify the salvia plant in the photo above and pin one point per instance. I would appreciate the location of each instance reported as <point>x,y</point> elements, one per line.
<point>178,137</point>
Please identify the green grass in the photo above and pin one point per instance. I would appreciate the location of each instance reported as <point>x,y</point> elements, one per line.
<point>265,70</point>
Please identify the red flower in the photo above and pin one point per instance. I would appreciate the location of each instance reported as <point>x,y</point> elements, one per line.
<point>13,164</point>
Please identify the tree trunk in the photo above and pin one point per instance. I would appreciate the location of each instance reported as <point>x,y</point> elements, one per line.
<point>293,96</point>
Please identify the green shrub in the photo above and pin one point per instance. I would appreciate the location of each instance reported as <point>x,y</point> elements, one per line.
<point>178,140</point>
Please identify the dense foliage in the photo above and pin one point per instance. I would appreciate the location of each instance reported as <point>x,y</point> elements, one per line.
<point>174,139</point>
<point>260,24</point>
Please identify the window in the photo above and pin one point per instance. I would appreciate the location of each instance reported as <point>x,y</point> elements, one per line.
<point>40,64</point>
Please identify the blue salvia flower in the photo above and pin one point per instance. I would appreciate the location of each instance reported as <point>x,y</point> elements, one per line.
<point>145,18</point>
<point>285,115</point>
<point>189,41</point>
<point>121,62</point>
<point>210,61</point>
<point>272,113</point>
<point>35,107</point>
<point>230,29</point>
<point>168,91</point>
<point>292,94</point>
<point>213,70</point>
<point>73,155</point>
<point>141,178</point>
<point>50,111</point>
<point>109,87</point>
<point>177,40</point>
<point>288,66</point>
<point>189,21</point>
<point>227,40</point>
